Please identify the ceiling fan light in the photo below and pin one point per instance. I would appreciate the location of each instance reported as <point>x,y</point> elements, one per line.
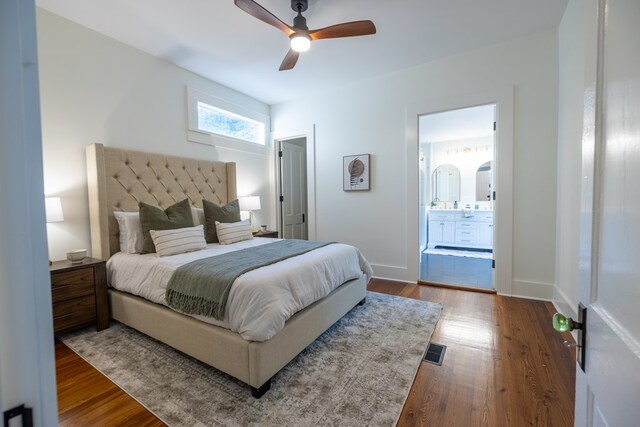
<point>300,43</point>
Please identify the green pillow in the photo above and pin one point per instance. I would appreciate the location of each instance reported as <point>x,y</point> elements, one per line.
<point>154,218</point>
<point>214,212</point>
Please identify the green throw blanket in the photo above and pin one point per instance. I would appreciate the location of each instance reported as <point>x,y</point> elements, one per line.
<point>202,287</point>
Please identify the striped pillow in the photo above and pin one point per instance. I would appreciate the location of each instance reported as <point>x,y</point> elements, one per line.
<point>179,240</point>
<point>232,232</point>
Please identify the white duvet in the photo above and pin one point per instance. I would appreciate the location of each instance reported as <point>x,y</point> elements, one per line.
<point>260,301</point>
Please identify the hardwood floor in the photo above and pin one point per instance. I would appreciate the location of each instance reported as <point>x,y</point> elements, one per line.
<point>88,398</point>
<point>504,366</point>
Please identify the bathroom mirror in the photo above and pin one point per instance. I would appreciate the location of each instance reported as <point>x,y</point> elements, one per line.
<point>483,182</point>
<point>446,184</point>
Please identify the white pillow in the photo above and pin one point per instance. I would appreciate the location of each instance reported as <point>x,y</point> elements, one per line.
<point>231,232</point>
<point>179,240</point>
<point>131,239</point>
<point>198,216</point>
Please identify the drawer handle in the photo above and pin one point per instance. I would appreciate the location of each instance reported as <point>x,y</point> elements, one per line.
<point>463,240</point>
<point>56,287</point>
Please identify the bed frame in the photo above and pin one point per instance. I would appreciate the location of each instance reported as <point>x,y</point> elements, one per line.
<point>117,180</point>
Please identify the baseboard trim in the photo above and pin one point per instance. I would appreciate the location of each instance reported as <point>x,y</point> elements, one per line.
<point>563,304</point>
<point>392,272</point>
<point>531,290</point>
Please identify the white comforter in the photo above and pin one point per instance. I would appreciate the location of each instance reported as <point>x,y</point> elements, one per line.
<point>260,301</point>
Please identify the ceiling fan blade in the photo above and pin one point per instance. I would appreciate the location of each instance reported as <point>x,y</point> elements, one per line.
<point>257,11</point>
<point>289,60</point>
<point>348,29</point>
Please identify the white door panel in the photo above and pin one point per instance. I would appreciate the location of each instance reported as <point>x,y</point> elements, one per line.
<point>27,361</point>
<point>293,174</point>
<point>607,394</point>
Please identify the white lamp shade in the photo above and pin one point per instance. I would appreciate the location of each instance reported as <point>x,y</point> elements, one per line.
<point>249,203</point>
<point>53,209</point>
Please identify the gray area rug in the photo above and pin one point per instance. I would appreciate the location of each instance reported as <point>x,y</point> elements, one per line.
<point>359,372</point>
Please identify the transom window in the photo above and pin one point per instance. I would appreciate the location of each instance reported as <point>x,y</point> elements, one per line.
<point>238,123</point>
<point>226,123</point>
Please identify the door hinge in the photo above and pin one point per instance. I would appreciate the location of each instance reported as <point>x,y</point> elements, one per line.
<point>494,195</point>
<point>26,413</point>
<point>303,218</point>
<point>279,153</point>
<point>282,198</point>
<point>493,263</point>
<point>495,126</point>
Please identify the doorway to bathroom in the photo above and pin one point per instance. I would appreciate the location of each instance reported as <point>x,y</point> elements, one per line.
<point>457,165</point>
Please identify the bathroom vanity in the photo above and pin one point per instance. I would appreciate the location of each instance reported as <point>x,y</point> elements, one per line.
<point>463,228</point>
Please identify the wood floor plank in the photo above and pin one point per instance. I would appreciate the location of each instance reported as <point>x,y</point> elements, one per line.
<point>504,365</point>
<point>88,398</point>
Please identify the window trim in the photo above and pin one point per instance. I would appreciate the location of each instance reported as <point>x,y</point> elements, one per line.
<point>194,134</point>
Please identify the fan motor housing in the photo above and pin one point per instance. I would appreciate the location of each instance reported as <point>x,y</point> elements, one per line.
<point>299,5</point>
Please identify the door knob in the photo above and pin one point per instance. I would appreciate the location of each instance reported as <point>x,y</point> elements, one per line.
<point>561,323</point>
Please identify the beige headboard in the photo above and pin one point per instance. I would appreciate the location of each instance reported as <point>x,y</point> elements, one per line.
<point>119,179</point>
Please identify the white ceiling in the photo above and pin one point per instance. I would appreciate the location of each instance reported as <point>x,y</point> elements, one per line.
<point>465,123</point>
<point>217,40</point>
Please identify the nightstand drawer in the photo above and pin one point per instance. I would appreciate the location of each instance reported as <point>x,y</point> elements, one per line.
<point>267,233</point>
<point>71,284</point>
<point>75,312</point>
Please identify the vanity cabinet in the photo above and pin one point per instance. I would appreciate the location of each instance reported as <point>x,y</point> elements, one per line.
<point>442,231</point>
<point>485,235</point>
<point>457,228</point>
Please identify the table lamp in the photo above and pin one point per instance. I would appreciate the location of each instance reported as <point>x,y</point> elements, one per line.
<point>250,203</point>
<point>53,210</point>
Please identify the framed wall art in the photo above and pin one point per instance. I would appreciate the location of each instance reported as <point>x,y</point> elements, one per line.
<point>355,173</point>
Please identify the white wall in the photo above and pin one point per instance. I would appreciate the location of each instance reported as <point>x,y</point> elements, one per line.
<point>95,89</point>
<point>371,117</point>
<point>571,47</point>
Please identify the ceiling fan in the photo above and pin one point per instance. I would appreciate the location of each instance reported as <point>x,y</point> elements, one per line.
<point>299,33</point>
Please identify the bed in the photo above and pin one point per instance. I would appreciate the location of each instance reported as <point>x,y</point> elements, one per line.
<point>117,180</point>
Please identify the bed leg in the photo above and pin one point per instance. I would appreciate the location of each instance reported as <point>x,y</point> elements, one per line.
<point>363,301</point>
<point>260,391</point>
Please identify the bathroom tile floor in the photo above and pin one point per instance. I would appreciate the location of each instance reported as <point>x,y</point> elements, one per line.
<point>456,270</point>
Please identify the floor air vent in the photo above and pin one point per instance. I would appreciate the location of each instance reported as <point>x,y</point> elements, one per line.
<point>435,353</point>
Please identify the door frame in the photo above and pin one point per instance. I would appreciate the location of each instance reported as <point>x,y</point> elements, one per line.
<point>493,169</point>
<point>279,191</point>
<point>310,135</point>
<point>503,98</point>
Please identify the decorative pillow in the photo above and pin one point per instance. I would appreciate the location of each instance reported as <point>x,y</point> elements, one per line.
<point>178,241</point>
<point>198,216</point>
<point>234,231</point>
<point>214,212</point>
<point>131,239</point>
<point>153,218</point>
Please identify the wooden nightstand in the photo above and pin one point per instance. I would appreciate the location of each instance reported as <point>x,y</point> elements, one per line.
<point>79,294</point>
<point>266,233</point>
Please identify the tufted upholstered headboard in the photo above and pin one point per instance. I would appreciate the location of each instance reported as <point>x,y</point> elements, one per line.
<point>118,179</point>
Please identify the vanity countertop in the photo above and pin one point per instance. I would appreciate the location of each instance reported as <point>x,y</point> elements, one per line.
<point>459,210</point>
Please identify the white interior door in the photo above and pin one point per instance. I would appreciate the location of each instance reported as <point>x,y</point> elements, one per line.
<point>608,392</point>
<point>27,364</point>
<point>293,176</point>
